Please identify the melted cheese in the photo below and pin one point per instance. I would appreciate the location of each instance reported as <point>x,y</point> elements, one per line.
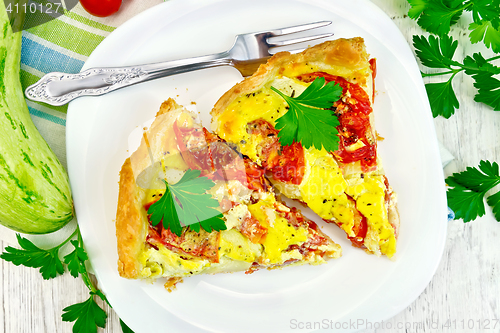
<point>163,262</point>
<point>323,189</point>
<point>241,111</point>
<point>235,216</point>
<point>369,193</point>
<point>355,146</point>
<point>235,246</point>
<point>233,190</point>
<point>262,104</point>
<point>153,194</point>
<point>280,233</point>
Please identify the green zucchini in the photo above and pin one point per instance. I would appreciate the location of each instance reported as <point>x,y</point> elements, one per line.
<point>35,195</point>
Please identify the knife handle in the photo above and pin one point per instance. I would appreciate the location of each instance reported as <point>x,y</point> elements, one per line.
<point>60,88</point>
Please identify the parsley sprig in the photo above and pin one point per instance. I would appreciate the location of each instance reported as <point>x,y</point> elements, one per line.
<point>30,255</point>
<point>438,53</point>
<point>186,203</point>
<point>437,17</point>
<point>87,315</point>
<point>309,119</point>
<point>468,189</point>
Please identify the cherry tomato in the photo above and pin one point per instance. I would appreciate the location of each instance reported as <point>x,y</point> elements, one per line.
<point>101,8</point>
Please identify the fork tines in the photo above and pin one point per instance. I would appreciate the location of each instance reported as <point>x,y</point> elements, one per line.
<point>271,42</point>
<point>298,28</point>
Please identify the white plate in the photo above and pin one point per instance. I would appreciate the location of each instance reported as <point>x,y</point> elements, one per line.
<point>349,293</point>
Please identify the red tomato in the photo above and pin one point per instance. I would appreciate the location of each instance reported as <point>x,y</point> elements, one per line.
<point>101,8</point>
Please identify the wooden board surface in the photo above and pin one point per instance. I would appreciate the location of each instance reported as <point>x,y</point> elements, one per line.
<point>465,292</point>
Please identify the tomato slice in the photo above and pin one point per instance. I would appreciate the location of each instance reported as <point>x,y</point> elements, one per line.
<point>202,245</point>
<point>194,148</point>
<point>362,100</point>
<point>353,114</point>
<point>360,228</point>
<point>315,238</point>
<point>373,67</point>
<point>285,163</point>
<point>253,230</point>
<point>101,8</point>
<point>217,160</point>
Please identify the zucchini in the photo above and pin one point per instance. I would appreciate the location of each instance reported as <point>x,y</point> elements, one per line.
<point>35,195</point>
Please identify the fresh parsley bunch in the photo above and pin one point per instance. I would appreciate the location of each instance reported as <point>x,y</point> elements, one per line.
<point>469,188</point>
<point>436,52</point>
<point>87,315</point>
<point>437,17</point>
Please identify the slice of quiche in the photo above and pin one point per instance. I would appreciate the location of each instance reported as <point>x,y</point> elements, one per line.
<point>346,186</point>
<point>259,231</point>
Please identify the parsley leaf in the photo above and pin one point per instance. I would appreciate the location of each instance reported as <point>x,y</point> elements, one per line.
<point>309,120</point>
<point>467,205</point>
<point>486,25</point>
<point>417,7</point>
<point>434,52</point>
<point>76,260</point>
<point>477,64</point>
<point>437,17</point>
<point>87,316</point>
<point>487,10</point>
<point>484,31</point>
<point>198,207</point>
<point>488,90</point>
<point>437,53</point>
<point>125,328</point>
<point>186,203</point>
<point>32,256</point>
<point>442,99</point>
<point>164,209</point>
<point>494,201</point>
<point>488,86</point>
<point>468,189</point>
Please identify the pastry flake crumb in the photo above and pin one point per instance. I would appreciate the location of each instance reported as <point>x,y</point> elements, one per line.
<point>171,283</point>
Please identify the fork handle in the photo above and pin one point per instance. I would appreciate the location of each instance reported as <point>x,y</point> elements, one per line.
<point>60,88</point>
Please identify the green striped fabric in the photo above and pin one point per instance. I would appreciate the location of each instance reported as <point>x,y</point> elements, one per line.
<point>63,44</point>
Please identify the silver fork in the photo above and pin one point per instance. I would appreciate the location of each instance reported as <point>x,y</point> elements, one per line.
<point>247,53</point>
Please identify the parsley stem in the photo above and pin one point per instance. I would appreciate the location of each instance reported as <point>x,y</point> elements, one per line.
<point>493,58</point>
<point>436,74</point>
<point>441,73</point>
<point>85,274</point>
<point>67,239</point>
<point>465,6</point>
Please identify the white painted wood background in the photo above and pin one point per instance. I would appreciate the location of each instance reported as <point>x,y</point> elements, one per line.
<point>465,289</point>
